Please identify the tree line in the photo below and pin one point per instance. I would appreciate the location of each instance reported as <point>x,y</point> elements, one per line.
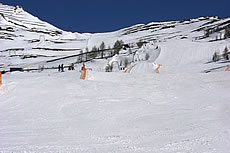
<point>101,51</point>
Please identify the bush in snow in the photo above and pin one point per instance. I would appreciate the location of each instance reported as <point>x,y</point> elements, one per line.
<point>225,54</point>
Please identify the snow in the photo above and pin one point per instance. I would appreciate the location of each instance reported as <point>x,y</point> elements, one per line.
<point>179,109</point>
<point>144,67</point>
<point>18,16</point>
<point>115,112</point>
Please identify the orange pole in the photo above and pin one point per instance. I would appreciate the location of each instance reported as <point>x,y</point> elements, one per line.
<point>84,75</point>
<point>0,79</point>
<point>159,66</point>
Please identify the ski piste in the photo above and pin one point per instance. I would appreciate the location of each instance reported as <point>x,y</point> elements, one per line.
<point>183,108</point>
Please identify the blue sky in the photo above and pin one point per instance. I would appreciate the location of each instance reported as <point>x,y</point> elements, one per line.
<point>110,15</point>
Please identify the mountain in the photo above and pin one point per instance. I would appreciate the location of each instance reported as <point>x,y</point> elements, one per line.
<point>26,40</point>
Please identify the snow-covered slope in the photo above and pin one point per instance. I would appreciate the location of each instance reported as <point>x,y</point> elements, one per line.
<point>115,112</point>
<point>22,34</point>
<point>26,40</point>
<point>20,18</point>
<point>180,109</point>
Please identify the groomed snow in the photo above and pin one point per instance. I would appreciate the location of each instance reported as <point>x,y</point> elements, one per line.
<point>115,112</point>
<point>181,109</point>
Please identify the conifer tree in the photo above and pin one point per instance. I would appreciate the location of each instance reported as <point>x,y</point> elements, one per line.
<point>118,46</point>
<point>102,46</point>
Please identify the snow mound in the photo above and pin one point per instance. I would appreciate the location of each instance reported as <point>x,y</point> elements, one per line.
<point>145,58</point>
<point>149,52</point>
<point>143,67</point>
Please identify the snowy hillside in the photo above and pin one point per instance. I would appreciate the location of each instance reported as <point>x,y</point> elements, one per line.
<point>36,42</point>
<point>162,93</point>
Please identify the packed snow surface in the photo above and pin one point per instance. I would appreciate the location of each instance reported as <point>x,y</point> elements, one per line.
<point>181,109</point>
<point>115,112</point>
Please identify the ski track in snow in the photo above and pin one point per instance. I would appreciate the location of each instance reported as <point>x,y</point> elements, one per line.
<point>115,112</point>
